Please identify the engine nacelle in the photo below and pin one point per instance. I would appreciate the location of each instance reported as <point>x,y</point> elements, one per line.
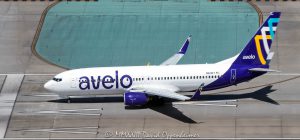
<point>135,98</point>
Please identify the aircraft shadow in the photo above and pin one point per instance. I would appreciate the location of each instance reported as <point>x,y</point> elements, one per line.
<point>165,107</point>
<point>261,95</point>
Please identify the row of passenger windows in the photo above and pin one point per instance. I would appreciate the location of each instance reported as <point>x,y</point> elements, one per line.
<point>176,78</point>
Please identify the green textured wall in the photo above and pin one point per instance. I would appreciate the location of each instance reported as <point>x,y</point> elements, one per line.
<point>116,33</point>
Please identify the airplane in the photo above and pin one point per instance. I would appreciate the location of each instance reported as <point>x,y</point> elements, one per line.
<point>140,84</point>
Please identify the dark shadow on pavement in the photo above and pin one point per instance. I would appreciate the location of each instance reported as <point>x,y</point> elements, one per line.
<point>261,95</point>
<point>167,109</point>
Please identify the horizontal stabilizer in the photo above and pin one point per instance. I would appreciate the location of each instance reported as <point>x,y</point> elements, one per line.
<point>262,70</point>
<point>270,56</point>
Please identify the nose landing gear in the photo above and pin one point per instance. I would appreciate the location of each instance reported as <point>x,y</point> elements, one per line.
<point>69,99</point>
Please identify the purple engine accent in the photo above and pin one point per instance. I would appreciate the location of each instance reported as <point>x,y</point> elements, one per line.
<point>135,98</point>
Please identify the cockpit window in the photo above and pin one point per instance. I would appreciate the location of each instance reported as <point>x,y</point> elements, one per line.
<point>57,79</point>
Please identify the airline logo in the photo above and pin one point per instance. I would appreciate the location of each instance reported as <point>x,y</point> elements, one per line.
<point>251,56</point>
<point>264,37</point>
<point>107,81</point>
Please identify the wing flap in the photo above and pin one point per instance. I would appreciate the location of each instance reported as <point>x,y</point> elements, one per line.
<point>167,92</point>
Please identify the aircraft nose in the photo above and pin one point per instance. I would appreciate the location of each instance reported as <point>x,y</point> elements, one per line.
<point>48,86</point>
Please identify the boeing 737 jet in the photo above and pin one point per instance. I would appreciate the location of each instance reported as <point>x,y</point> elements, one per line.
<point>139,84</point>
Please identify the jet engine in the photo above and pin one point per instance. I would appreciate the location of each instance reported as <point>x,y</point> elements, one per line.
<point>135,98</point>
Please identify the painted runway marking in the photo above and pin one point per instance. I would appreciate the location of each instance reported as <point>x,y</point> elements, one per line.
<point>61,113</point>
<point>83,112</point>
<point>291,74</point>
<point>28,74</point>
<point>223,103</point>
<point>203,104</point>
<point>62,130</point>
<point>41,95</point>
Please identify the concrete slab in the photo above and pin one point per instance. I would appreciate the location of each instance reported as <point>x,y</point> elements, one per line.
<point>8,96</point>
<point>258,132</point>
<point>2,80</point>
<point>18,23</point>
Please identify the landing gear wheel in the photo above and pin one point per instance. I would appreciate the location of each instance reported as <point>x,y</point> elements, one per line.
<point>69,100</point>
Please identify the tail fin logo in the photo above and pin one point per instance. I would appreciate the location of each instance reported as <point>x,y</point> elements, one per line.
<point>264,37</point>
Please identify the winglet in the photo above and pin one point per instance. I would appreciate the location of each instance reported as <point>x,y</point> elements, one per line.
<point>173,60</point>
<point>185,45</point>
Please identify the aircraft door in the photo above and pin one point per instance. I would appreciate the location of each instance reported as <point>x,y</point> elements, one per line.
<point>233,76</point>
<point>74,82</point>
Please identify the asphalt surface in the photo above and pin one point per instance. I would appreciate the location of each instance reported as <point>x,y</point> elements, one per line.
<point>267,106</point>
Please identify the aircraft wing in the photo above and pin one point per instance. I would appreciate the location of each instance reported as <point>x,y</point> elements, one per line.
<point>173,60</point>
<point>162,91</point>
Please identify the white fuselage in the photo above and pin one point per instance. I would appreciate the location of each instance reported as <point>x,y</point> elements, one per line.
<point>115,80</point>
